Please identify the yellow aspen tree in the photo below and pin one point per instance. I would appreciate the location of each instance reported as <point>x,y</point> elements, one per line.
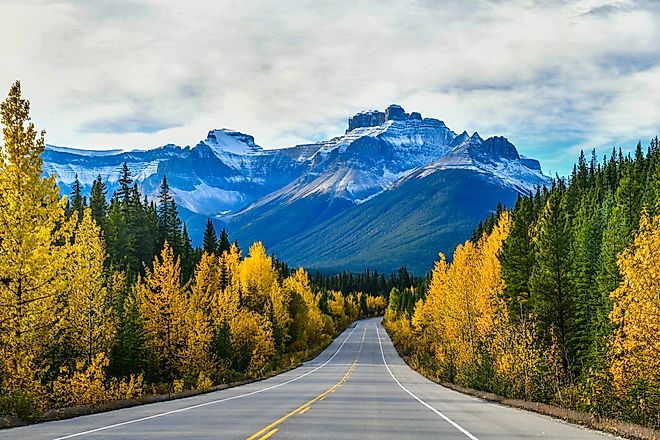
<point>90,318</point>
<point>635,348</point>
<point>33,251</point>
<point>162,304</point>
<point>257,278</point>
<point>196,356</point>
<point>307,318</point>
<point>461,305</point>
<point>252,342</point>
<point>376,305</point>
<point>262,292</point>
<point>227,299</point>
<point>430,320</point>
<point>336,305</point>
<point>198,319</point>
<point>206,283</point>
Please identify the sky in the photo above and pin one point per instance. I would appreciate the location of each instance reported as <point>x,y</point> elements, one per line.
<point>554,77</point>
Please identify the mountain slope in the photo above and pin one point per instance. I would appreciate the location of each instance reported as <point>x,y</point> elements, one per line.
<point>393,189</point>
<point>431,210</point>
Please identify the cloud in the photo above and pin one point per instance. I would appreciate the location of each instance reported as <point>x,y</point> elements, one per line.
<point>551,76</point>
<point>127,124</point>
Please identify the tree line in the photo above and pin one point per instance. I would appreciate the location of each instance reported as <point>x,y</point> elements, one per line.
<point>556,300</point>
<point>109,300</point>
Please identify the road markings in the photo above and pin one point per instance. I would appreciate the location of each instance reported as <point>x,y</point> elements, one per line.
<point>212,402</point>
<point>270,434</point>
<point>305,406</point>
<point>444,417</point>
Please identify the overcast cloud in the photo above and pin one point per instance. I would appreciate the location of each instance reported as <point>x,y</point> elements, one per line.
<point>553,77</point>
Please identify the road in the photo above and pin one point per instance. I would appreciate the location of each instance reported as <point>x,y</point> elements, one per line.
<point>358,387</point>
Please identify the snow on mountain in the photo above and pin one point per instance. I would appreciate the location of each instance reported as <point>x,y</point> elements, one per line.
<point>279,195</point>
<point>495,157</point>
<point>225,141</point>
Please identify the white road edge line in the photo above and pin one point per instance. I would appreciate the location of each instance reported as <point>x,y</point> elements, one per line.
<point>444,417</point>
<point>251,393</point>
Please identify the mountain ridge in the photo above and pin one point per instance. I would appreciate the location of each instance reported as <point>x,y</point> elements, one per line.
<point>282,195</point>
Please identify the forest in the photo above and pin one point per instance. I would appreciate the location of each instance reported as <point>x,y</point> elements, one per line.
<point>107,300</point>
<point>556,300</point>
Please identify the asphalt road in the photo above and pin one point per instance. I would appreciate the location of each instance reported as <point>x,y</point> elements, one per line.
<point>357,388</point>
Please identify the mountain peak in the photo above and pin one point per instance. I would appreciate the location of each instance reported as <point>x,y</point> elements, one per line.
<point>231,141</point>
<point>499,146</point>
<point>395,113</point>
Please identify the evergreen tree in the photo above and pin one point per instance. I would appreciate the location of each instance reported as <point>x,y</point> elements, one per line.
<point>210,240</point>
<point>518,259</point>
<point>125,183</point>
<point>76,198</point>
<point>550,284</point>
<point>188,259</point>
<point>164,204</point>
<point>98,203</point>
<point>224,244</point>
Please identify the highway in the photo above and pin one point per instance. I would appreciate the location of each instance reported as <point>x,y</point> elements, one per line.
<point>358,388</point>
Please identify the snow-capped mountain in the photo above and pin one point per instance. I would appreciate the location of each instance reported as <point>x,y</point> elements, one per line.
<point>282,196</point>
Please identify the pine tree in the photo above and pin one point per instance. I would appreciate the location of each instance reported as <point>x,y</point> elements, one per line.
<point>164,199</point>
<point>98,203</point>
<point>584,257</point>
<point>128,353</point>
<point>224,244</point>
<point>550,284</point>
<point>518,259</point>
<point>187,255</point>
<point>125,183</point>
<point>76,198</point>
<point>210,240</point>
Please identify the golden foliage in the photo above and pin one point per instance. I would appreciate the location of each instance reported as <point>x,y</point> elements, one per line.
<point>252,341</point>
<point>635,349</point>
<point>89,321</point>
<point>162,302</point>
<point>85,386</point>
<point>33,229</point>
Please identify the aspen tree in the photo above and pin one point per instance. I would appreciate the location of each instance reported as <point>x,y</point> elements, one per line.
<point>89,314</point>
<point>33,249</point>
<point>636,313</point>
<point>162,304</point>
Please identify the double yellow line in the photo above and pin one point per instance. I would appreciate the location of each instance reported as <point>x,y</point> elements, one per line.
<point>271,429</point>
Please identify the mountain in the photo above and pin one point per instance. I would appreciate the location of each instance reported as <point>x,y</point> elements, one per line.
<point>429,210</point>
<point>394,189</point>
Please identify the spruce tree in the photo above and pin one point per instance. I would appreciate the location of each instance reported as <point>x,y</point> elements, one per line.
<point>187,255</point>
<point>164,199</point>
<point>125,183</point>
<point>98,203</point>
<point>550,284</point>
<point>76,198</point>
<point>223,244</point>
<point>210,240</point>
<point>518,259</point>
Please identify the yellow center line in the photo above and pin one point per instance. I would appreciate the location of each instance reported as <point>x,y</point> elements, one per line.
<point>270,434</point>
<point>268,431</point>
